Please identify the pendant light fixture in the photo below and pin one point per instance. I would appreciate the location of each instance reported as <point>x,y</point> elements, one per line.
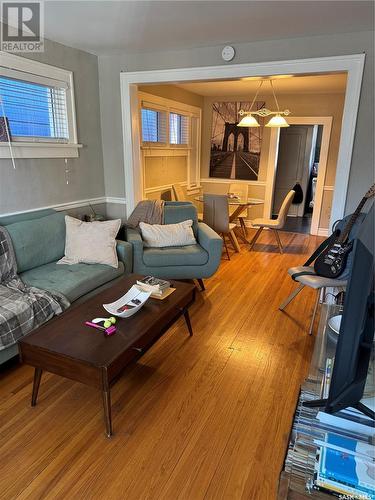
<point>277,121</point>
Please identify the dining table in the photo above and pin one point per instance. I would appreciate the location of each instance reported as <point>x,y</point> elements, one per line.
<point>241,204</point>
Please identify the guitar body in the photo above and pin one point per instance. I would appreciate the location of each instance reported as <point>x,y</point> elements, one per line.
<point>331,262</point>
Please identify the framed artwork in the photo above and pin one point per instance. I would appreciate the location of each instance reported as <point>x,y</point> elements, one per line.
<point>4,129</point>
<point>235,151</point>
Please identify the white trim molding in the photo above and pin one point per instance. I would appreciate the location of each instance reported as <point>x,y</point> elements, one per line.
<point>60,207</point>
<point>215,180</point>
<point>115,200</point>
<point>352,64</point>
<point>23,150</point>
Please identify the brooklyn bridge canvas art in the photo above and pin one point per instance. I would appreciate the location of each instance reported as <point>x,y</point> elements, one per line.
<point>235,151</point>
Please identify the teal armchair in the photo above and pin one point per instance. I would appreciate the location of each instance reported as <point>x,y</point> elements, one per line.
<point>196,261</point>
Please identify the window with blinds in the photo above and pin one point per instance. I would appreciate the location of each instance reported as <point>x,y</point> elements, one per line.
<point>178,129</point>
<point>154,126</point>
<point>35,111</point>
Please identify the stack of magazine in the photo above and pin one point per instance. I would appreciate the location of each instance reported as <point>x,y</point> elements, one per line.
<point>345,461</point>
<point>159,288</point>
<point>333,454</point>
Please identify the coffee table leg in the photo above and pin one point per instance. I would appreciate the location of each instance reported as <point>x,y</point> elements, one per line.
<point>106,395</point>
<point>37,376</point>
<point>187,320</point>
<point>107,412</point>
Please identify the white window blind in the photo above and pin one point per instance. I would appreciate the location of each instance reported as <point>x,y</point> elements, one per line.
<point>35,110</point>
<point>154,126</point>
<point>178,129</point>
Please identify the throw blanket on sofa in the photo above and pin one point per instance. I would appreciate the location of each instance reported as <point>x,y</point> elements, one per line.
<point>149,211</point>
<point>22,308</point>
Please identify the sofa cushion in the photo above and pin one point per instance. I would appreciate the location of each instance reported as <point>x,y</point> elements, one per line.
<point>39,241</point>
<point>190,255</point>
<point>72,281</point>
<point>91,242</point>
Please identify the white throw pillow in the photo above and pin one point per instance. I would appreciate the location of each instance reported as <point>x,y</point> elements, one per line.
<point>90,242</point>
<point>168,235</point>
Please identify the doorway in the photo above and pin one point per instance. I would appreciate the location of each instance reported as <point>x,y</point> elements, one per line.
<point>326,123</point>
<point>298,166</point>
<point>351,64</point>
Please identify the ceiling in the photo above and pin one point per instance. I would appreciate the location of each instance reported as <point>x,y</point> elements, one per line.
<point>317,84</point>
<point>108,27</point>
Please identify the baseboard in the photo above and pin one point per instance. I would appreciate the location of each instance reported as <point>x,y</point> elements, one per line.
<point>322,231</point>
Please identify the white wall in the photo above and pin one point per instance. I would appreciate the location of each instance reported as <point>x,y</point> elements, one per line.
<point>318,46</point>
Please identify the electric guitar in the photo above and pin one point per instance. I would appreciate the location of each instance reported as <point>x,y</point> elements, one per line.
<point>332,261</point>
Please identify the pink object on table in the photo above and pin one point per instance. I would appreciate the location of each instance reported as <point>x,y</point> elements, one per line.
<point>108,331</point>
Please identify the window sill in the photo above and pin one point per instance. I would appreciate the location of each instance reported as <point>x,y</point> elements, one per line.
<point>194,190</point>
<point>23,150</point>
<point>157,152</point>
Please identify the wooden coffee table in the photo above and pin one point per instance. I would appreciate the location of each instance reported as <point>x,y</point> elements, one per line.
<point>66,347</point>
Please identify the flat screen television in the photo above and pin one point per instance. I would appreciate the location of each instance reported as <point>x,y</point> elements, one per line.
<point>355,341</point>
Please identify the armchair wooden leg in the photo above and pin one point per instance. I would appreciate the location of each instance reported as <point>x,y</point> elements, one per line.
<point>257,234</point>
<point>201,284</point>
<point>278,240</point>
<point>289,299</point>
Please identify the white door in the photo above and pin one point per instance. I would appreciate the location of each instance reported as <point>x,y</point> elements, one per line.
<point>293,165</point>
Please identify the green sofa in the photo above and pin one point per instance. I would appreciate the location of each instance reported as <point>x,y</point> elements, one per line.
<point>189,262</point>
<point>39,242</point>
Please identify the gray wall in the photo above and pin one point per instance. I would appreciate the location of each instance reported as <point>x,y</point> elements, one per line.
<point>362,169</point>
<point>41,182</point>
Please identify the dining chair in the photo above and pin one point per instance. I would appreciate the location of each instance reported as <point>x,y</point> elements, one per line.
<point>166,195</point>
<point>180,195</point>
<point>305,276</point>
<point>242,191</point>
<point>178,192</point>
<point>274,224</point>
<point>216,215</point>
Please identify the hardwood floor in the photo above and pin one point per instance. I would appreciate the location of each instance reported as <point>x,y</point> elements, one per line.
<point>206,417</point>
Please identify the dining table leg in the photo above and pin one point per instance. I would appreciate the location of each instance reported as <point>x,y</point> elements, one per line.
<point>238,235</point>
<point>233,238</point>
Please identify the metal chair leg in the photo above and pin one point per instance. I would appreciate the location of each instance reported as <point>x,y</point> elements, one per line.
<point>278,240</point>
<point>257,234</point>
<point>314,312</point>
<point>291,297</point>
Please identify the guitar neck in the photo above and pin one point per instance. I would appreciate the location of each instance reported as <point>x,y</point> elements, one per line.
<point>345,233</point>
